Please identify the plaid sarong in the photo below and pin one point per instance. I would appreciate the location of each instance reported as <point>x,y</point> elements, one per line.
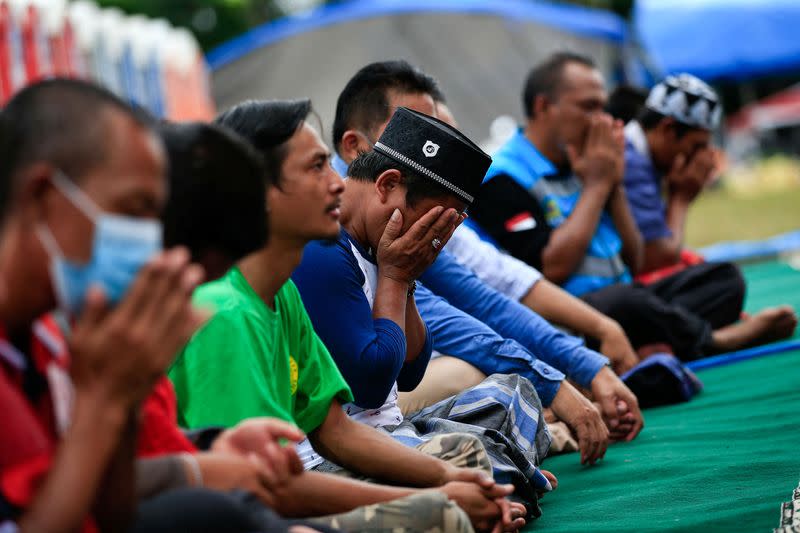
<point>505,414</point>
<point>504,411</point>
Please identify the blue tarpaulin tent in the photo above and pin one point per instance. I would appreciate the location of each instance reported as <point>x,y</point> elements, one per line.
<point>720,39</point>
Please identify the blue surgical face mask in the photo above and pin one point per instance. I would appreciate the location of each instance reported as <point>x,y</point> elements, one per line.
<point>120,248</point>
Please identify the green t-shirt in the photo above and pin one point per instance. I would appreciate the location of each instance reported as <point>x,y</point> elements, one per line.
<point>250,360</point>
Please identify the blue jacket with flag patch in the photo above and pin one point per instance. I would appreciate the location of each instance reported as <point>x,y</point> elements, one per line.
<point>524,197</point>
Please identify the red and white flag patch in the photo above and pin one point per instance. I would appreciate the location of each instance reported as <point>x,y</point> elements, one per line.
<point>520,222</point>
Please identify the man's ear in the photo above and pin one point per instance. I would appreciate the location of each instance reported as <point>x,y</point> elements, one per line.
<point>666,127</point>
<point>33,193</point>
<point>352,144</point>
<point>541,104</point>
<point>387,183</point>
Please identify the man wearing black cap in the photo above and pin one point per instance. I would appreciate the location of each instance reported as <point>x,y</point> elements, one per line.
<point>402,202</point>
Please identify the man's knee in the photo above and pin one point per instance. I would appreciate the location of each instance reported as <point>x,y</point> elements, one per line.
<point>735,285</point>
<point>459,449</point>
<point>622,301</point>
<point>445,376</point>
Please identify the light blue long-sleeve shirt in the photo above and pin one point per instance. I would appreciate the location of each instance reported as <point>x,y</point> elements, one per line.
<point>457,334</point>
<point>509,319</point>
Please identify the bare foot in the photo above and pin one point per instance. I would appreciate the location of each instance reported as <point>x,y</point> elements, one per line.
<point>769,325</point>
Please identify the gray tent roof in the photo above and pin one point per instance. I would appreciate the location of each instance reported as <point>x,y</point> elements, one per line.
<point>479,51</point>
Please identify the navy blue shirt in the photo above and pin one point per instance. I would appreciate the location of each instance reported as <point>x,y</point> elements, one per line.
<point>370,353</point>
<point>643,186</point>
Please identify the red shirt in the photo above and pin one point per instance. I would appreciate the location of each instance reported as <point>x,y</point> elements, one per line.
<point>159,433</point>
<point>35,400</point>
<point>35,405</point>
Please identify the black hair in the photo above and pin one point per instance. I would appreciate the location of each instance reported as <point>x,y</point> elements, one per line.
<point>545,78</point>
<point>625,102</point>
<point>267,125</point>
<point>63,122</point>
<point>364,103</point>
<point>438,95</point>
<point>368,166</point>
<point>217,199</point>
<point>649,119</point>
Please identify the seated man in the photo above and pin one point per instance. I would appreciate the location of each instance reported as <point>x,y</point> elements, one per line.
<point>520,281</point>
<point>668,143</point>
<point>258,354</point>
<point>471,325</point>
<point>83,178</point>
<point>554,198</point>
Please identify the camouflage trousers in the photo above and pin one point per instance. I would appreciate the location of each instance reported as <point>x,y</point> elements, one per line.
<point>424,512</point>
<point>428,511</point>
<point>459,449</point>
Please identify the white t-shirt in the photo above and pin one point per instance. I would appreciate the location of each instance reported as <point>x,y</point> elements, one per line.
<point>502,272</point>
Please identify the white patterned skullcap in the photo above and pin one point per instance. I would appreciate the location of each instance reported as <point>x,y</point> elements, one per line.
<point>687,99</point>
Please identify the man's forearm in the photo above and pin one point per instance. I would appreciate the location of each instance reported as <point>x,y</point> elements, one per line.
<point>375,454</point>
<point>568,243</point>
<point>557,305</point>
<point>667,251</point>
<point>390,301</point>
<point>317,494</point>
<point>160,474</point>
<point>116,500</point>
<point>415,331</point>
<point>632,244</point>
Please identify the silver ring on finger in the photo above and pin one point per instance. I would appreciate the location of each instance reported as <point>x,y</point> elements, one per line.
<point>436,243</point>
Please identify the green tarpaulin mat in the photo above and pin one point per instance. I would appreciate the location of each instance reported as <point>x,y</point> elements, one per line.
<point>723,462</point>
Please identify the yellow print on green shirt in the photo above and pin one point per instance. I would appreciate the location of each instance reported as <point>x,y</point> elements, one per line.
<point>293,373</point>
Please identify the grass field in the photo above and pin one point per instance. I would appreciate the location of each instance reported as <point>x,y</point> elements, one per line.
<point>720,215</point>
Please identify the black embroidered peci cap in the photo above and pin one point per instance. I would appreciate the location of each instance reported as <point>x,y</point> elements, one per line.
<point>435,150</point>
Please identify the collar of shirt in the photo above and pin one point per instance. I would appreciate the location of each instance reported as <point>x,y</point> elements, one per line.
<point>635,135</point>
<point>47,345</point>
<point>45,371</point>
<point>538,162</point>
<point>365,253</point>
<point>339,165</point>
